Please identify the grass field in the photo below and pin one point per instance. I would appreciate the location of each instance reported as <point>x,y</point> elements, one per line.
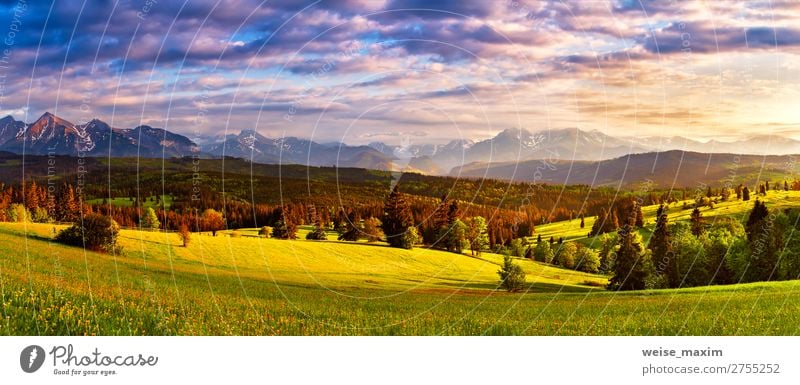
<point>251,286</point>
<point>166,202</point>
<point>775,200</point>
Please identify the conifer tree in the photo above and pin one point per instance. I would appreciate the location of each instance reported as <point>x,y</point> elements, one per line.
<point>631,266</point>
<point>696,220</point>
<point>755,219</point>
<point>397,220</point>
<point>661,247</point>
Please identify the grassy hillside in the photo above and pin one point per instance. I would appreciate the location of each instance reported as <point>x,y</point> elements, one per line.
<point>247,285</point>
<point>738,209</point>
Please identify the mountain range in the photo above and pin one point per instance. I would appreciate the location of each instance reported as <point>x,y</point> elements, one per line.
<point>495,157</point>
<point>672,168</point>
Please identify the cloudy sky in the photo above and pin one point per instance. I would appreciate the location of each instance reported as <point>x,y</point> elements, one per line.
<point>407,70</point>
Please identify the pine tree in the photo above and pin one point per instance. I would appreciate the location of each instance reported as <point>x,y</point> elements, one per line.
<point>639,215</point>
<point>785,186</point>
<point>582,223</point>
<point>745,194</point>
<point>397,220</point>
<point>661,247</point>
<point>696,220</point>
<point>318,233</point>
<point>631,266</point>
<point>150,220</point>
<point>32,196</point>
<point>709,193</point>
<point>67,209</point>
<point>755,219</point>
<point>353,228</point>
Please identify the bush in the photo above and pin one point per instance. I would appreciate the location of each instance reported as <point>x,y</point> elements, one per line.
<point>236,234</point>
<point>565,255</point>
<point>512,278</point>
<point>373,230</point>
<point>18,213</point>
<point>95,232</point>
<point>284,230</point>
<point>409,238</point>
<point>588,260</point>
<point>40,215</point>
<point>265,231</point>
<point>518,247</point>
<point>318,234</point>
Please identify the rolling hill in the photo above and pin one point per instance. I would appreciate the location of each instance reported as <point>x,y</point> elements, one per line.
<point>244,285</point>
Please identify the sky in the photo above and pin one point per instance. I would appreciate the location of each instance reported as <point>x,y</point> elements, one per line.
<point>407,71</point>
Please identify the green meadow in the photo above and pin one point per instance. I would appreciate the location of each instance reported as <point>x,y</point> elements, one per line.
<point>240,284</point>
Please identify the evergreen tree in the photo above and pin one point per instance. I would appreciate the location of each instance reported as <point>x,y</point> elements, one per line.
<point>709,193</point>
<point>696,220</point>
<point>756,219</point>
<point>766,244</point>
<point>285,227</point>
<point>318,232</point>
<point>397,220</point>
<point>512,277</point>
<point>352,228</point>
<point>150,220</point>
<point>745,194</point>
<point>785,186</point>
<point>661,248</point>
<point>32,196</point>
<point>631,265</point>
<point>67,208</point>
<point>582,223</point>
<point>639,215</point>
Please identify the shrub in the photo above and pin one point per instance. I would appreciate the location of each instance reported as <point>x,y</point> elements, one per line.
<point>518,247</point>
<point>18,213</point>
<point>512,278</point>
<point>588,260</point>
<point>565,255</point>
<point>95,232</point>
<point>372,229</point>
<point>283,230</point>
<point>318,234</point>
<point>40,215</point>
<point>265,231</point>
<point>236,234</point>
<point>409,238</point>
